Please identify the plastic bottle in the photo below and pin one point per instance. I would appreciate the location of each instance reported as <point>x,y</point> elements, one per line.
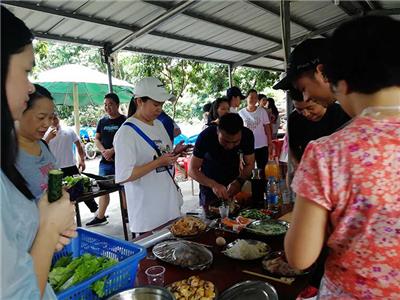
<point>272,169</point>
<point>272,194</point>
<point>257,188</point>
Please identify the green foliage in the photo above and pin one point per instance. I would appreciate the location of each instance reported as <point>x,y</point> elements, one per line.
<point>201,82</point>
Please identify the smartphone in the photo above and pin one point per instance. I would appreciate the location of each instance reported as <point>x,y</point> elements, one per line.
<point>183,149</point>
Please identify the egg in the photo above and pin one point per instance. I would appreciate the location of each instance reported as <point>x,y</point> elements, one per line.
<point>220,241</point>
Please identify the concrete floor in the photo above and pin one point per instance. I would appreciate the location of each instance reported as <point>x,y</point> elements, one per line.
<point>114,227</point>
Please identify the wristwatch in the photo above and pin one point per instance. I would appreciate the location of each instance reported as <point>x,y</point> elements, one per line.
<point>241,181</point>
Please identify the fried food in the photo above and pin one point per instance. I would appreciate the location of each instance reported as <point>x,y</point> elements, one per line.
<point>188,226</point>
<point>193,288</point>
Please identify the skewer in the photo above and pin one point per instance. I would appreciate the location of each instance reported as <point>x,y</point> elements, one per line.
<point>284,280</point>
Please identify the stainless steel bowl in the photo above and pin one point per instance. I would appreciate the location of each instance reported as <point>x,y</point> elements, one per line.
<point>144,293</point>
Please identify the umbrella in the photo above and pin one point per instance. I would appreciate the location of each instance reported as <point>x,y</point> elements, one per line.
<point>76,85</point>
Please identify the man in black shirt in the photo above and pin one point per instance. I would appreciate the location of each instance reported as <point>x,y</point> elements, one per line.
<point>216,159</point>
<point>310,121</point>
<point>106,129</point>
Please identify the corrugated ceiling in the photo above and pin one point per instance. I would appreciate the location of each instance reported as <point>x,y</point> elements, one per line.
<point>219,31</point>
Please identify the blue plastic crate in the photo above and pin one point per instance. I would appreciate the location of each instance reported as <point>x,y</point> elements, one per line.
<point>119,277</point>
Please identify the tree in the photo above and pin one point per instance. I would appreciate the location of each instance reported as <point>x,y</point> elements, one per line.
<point>201,82</point>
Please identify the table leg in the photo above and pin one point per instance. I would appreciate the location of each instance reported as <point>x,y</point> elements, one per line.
<point>78,215</point>
<point>123,213</point>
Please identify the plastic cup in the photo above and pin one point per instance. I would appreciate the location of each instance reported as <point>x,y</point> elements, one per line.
<point>155,275</point>
<point>224,211</point>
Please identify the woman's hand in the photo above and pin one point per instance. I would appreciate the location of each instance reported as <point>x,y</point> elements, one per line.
<point>167,159</point>
<point>65,237</point>
<point>57,217</point>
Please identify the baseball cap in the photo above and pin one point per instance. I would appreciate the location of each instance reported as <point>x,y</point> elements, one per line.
<point>153,88</point>
<point>234,91</point>
<point>304,57</point>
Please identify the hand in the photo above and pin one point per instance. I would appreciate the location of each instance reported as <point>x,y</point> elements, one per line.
<point>52,134</point>
<point>57,217</point>
<point>81,165</point>
<point>233,188</point>
<point>179,148</point>
<point>220,191</point>
<point>108,154</point>
<point>65,238</point>
<point>167,159</point>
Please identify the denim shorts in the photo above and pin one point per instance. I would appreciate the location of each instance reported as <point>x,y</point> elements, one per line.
<point>106,169</point>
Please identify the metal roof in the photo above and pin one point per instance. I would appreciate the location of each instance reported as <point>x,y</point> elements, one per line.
<point>236,32</point>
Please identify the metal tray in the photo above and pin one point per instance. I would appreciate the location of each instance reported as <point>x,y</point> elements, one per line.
<point>276,254</point>
<point>254,290</point>
<point>144,293</point>
<point>184,254</point>
<point>285,226</point>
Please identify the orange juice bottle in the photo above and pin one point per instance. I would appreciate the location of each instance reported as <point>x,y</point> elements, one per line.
<point>272,170</point>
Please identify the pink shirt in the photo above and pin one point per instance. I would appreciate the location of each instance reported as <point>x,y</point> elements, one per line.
<point>355,175</point>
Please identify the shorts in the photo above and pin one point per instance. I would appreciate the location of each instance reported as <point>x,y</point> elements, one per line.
<point>106,169</point>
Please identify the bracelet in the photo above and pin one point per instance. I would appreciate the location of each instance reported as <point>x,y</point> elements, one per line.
<point>241,181</point>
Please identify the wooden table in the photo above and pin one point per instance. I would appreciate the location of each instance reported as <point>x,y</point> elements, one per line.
<point>224,271</point>
<point>91,195</point>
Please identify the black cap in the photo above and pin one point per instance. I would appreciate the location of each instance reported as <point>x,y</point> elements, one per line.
<point>304,57</point>
<point>234,91</point>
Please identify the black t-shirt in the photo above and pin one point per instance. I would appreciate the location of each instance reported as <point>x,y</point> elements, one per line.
<point>107,128</point>
<point>302,131</point>
<point>220,164</point>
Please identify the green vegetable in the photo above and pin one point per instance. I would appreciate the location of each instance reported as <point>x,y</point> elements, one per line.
<point>254,214</point>
<point>70,181</point>
<point>63,261</point>
<point>55,185</point>
<point>78,270</point>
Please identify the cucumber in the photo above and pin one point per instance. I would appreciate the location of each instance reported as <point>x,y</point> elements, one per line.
<point>55,185</point>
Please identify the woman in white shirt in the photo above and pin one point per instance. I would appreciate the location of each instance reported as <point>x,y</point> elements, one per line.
<point>256,119</point>
<point>145,167</point>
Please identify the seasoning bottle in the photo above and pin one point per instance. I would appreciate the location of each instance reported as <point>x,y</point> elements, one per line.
<point>257,188</point>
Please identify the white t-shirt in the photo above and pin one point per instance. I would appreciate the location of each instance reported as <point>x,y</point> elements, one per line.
<point>62,146</point>
<point>153,199</point>
<point>255,121</point>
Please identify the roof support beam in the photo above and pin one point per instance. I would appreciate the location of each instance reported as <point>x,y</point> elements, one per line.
<point>146,51</point>
<point>272,10</point>
<point>80,17</point>
<point>292,42</point>
<point>181,7</point>
<point>219,22</point>
<point>348,8</point>
<point>385,12</point>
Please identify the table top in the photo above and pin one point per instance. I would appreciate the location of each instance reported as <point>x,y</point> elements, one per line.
<point>90,195</point>
<point>224,271</point>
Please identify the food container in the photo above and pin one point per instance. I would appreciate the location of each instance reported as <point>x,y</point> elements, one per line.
<point>268,227</point>
<point>156,237</point>
<point>144,293</point>
<point>118,277</point>
<point>254,290</point>
<point>184,254</point>
<point>235,249</point>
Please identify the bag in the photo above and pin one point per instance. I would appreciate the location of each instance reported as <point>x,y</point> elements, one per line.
<point>155,147</point>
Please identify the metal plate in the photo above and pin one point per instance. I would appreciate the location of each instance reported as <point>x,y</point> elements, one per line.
<point>251,242</point>
<point>254,290</point>
<point>144,293</point>
<point>252,227</point>
<point>184,254</point>
<point>276,254</point>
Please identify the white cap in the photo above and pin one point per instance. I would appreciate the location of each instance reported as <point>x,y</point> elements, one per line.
<point>153,88</point>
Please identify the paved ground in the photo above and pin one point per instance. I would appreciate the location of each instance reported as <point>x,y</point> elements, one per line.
<point>114,227</point>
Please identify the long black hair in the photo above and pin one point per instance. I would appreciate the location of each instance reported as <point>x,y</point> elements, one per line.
<point>272,106</point>
<point>213,115</point>
<point>133,105</point>
<point>14,37</point>
<point>40,92</point>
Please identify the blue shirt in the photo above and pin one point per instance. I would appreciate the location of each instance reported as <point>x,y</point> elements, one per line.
<point>35,169</point>
<point>19,224</point>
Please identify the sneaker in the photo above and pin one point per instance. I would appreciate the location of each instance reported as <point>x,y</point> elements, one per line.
<point>96,222</point>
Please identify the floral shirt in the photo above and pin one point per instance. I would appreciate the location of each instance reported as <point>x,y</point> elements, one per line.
<point>355,175</point>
